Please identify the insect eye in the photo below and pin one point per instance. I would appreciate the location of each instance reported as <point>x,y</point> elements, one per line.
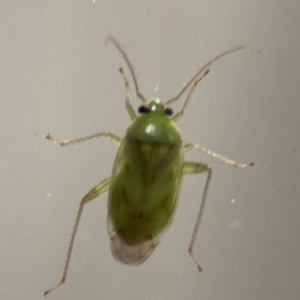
<point>143,109</point>
<point>168,111</point>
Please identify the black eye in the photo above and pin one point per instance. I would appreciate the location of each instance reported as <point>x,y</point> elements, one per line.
<point>143,109</point>
<point>168,111</point>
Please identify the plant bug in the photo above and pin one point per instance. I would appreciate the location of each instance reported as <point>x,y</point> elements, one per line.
<point>147,173</point>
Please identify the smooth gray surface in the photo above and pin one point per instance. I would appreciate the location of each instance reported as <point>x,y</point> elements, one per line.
<point>58,77</point>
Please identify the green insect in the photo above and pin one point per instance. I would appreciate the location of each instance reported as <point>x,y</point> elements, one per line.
<point>144,185</point>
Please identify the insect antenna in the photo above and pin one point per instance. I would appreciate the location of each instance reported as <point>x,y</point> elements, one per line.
<point>200,74</point>
<point>129,65</point>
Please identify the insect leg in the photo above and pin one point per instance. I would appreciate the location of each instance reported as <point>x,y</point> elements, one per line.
<point>129,107</point>
<point>129,65</point>
<point>203,69</point>
<point>226,160</point>
<point>109,136</point>
<point>99,189</point>
<point>197,168</point>
<point>188,98</point>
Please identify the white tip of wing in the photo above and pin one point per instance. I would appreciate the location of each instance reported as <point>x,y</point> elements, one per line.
<point>134,254</point>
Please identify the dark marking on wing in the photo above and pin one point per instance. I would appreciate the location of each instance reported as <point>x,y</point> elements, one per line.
<point>125,196</point>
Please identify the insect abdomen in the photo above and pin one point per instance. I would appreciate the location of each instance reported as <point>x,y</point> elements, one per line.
<point>142,197</point>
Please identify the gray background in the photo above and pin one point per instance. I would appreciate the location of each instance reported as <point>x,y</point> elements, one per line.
<point>58,77</point>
